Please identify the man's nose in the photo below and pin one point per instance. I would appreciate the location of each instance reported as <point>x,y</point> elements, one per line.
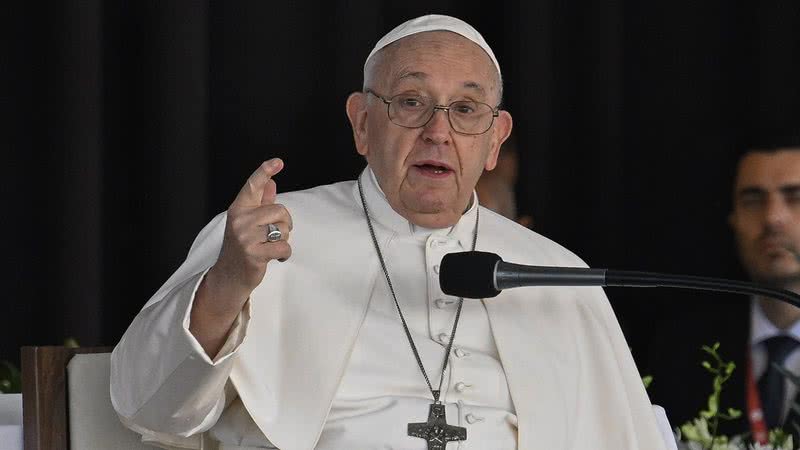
<point>777,213</point>
<point>437,130</point>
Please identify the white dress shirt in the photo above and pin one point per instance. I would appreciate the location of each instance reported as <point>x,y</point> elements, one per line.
<point>761,329</point>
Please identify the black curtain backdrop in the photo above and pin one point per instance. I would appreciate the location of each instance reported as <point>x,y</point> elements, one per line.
<point>128,125</point>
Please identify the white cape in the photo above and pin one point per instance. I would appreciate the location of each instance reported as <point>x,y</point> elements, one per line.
<point>570,372</point>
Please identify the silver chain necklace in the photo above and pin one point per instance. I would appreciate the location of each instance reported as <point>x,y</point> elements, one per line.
<point>436,431</point>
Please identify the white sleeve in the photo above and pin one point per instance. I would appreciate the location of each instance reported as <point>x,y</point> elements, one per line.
<point>161,378</point>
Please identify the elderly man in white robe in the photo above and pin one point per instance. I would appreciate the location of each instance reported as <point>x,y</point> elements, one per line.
<point>314,319</point>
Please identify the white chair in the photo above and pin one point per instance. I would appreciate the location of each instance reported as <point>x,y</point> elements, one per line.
<point>66,401</point>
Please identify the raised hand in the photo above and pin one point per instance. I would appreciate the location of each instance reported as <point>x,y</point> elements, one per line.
<point>245,250</point>
<point>242,262</point>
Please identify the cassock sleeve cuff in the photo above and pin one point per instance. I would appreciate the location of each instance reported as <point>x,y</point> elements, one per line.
<point>236,334</point>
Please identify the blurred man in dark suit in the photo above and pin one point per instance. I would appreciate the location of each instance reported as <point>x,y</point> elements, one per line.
<point>756,335</point>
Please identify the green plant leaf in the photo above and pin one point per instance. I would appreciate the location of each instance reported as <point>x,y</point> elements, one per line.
<point>10,378</point>
<point>703,429</point>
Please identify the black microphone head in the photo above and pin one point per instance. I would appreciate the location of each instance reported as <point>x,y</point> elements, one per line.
<point>468,274</point>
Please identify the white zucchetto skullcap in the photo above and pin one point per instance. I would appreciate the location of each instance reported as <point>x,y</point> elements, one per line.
<point>433,22</point>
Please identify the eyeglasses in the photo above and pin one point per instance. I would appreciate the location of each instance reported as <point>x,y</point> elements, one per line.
<point>414,111</point>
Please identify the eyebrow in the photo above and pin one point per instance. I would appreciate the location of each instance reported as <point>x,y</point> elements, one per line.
<point>475,86</point>
<point>750,190</point>
<point>788,189</point>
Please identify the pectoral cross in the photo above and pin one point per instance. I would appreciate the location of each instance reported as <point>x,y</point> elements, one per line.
<point>436,430</point>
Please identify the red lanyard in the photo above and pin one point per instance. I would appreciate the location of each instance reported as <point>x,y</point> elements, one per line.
<point>754,412</point>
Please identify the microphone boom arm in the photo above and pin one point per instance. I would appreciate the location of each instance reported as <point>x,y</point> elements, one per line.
<point>622,278</point>
<point>483,275</point>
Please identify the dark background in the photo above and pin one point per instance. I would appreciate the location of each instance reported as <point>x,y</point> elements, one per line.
<point>127,125</point>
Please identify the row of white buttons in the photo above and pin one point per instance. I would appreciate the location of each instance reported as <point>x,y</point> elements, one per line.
<point>444,338</point>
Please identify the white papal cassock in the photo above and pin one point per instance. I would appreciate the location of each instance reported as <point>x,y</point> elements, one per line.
<point>319,359</point>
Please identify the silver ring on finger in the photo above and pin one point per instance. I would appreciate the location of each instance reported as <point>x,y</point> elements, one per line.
<point>273,233</point>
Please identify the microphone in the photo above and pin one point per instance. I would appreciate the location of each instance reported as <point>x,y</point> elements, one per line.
<point>484,275</point>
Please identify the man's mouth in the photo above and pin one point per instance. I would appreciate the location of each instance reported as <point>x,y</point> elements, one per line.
<point>778,246</point>
<point>432,168</point>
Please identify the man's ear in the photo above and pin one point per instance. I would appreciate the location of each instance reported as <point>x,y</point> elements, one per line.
<point>356,107</point>
<point>501,130</point>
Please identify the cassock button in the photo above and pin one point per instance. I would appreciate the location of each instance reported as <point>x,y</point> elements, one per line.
<point>436,269</point>
<point>461,386</point>
<point>438,243</point>
<point>442,303</point>
<point>472,418</point>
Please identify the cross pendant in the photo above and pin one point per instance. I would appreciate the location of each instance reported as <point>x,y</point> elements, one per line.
<point>436,430</point>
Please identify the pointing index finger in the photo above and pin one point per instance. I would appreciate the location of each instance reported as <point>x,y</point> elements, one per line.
<point>253,190</point>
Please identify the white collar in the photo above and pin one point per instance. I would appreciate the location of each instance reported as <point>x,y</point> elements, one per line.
<point>382,213</point>
<point>761,328</point>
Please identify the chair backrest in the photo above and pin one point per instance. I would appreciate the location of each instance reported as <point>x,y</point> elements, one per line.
<point>66,402</point>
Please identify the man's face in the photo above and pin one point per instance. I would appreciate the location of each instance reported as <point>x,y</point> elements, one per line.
<point>766,216</point>
<point>428,173</point>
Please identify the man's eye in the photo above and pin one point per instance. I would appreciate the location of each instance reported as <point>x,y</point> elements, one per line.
<point>792,197</point>
<point>412,102</point>
<point>751,201</point>
<point>464,108</point>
